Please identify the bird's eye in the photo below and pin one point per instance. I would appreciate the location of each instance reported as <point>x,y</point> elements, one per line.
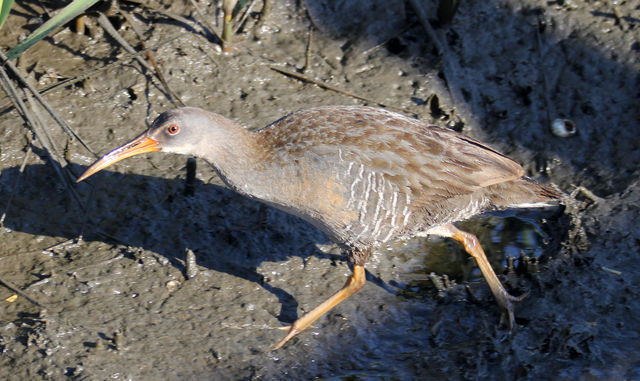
<point>173,129</point>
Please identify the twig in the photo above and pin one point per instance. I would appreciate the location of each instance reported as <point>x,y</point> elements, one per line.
<point>620,19</point>
<point>64,244</point>
<point>451,69</point>
<point>337,90</point>
<point>153,62</point>
<point>117,257</point>
<point>20,292</point>
<point>189,184</point>
<point>244,17</point>
<point>383,43</point>
<point>546,87</point>
<point>42,132</point>
<point>161,76</point>
<point>43,137</point>
<point>587,193</point>
<point>7,106</point>
<point>307,52</point>
<point>38,126</point>
<point>610,270</point>
<point>44,103</point>
<point>264,14</point>
<point>44,250</point>
<point>111,237</point>
<point>181,19</point>
<point>108,27</point>
<point>205,20</point>
<point>203,51</point>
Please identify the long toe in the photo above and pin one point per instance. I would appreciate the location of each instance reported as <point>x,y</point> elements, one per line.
<point>293,331</point>
<point>506,300</point>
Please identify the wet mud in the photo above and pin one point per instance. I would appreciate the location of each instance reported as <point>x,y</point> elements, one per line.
<point>109,291</point>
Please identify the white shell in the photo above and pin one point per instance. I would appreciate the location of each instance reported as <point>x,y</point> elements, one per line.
<point>563,127</point>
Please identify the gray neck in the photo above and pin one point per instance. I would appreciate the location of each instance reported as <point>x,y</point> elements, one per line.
<point>232,151</point>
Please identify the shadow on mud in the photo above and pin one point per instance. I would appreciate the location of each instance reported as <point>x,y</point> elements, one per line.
<point>227,232</point>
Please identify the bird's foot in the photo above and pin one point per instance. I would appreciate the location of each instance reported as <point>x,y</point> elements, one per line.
<point>293,329</point>
<point>354,283</point>
<point>506,300</point>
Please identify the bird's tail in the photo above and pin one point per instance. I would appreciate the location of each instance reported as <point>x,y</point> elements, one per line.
<point>524,193</point>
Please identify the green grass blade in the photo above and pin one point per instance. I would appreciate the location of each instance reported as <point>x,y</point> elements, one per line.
<point>5,8</point>
<point>67,13</point>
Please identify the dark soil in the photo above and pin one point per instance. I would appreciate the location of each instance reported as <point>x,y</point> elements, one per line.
<point>108,269</point>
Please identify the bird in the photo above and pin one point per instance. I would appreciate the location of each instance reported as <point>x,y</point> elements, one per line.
<point>363,175</point>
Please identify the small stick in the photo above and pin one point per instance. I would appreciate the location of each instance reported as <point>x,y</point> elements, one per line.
<point>244,17</point>
<point>337,90</point>
<point>20,292</point>
<point>153,62</point>
<point>108,27</point>
<point>7,106</point>
<point>264,14</point>
<point>183,20</point>
<point>74,270</point>
<point>42,138</point>
<point>191,266</point>
<point>383,43</point>
<point>546,86</point>
<point>587,193</point>
<point>612,271</point>
<point>620,19</point>
<point>64,244</point>
<point>451,69</point>
<point>38,127</point>
<point>205,19</point>
<point>42,132</point>
<point>44,103</point>
<point>307,53</point>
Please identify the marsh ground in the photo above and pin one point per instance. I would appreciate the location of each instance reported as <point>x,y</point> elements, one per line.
<point>117,305</point>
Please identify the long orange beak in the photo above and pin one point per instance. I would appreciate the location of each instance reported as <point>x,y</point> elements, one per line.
<point>139,145</point>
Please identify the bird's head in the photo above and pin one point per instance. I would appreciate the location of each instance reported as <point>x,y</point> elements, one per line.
<point>178,131</point>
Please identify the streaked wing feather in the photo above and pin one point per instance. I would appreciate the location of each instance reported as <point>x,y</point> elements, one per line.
<point>429,162</point>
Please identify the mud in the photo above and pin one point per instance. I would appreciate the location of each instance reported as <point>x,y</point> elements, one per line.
<point>109,272</point>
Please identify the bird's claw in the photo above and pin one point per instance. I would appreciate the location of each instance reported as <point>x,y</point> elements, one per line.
<point>506,301</point>
<point>293,331</point>
<point>518,299</point>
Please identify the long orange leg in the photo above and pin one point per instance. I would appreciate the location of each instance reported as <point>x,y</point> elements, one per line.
<point>473,248</point>
<point>355,282</point>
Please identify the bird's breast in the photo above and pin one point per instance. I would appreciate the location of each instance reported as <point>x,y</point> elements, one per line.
<point>349,202</point>
<point>383,210</point>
